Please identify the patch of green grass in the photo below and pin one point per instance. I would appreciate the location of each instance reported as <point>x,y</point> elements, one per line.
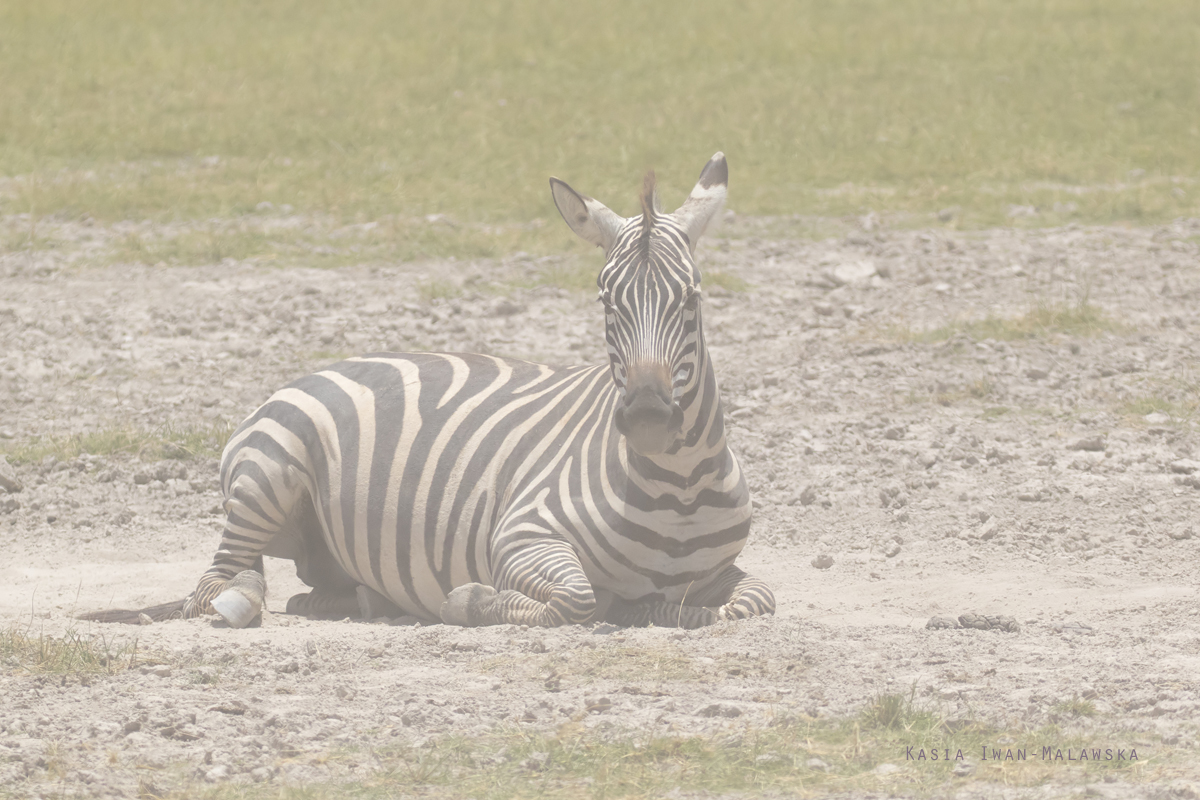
<point>1051,112</point>
<point>73,653</point>
<point>620,663</point>
<point>1045,319</point>
<point>724,280</point>
<point>151,445</point>
<point>798,755</point>
<point>1182,404</point>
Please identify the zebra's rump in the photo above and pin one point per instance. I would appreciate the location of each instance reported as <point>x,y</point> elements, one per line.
<point>414,461</point>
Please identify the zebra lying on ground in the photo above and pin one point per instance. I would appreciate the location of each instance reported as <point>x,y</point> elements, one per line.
<point>477,490</point>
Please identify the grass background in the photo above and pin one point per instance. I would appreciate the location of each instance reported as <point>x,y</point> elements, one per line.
<point>366,110</point>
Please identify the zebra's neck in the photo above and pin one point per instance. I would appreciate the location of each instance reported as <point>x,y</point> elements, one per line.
<point>701,457</point>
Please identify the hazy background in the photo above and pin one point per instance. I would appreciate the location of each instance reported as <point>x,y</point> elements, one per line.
<point>992,112</point>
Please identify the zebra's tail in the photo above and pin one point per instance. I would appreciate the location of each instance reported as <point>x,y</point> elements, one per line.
<point>173,610</point>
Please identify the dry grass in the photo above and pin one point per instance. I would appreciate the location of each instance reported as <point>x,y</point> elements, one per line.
<point>72,654</point>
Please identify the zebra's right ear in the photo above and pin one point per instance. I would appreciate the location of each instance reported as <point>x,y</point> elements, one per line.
<point>591,220</point>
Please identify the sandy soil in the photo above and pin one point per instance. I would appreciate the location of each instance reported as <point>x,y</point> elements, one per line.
<point>1021,478</point>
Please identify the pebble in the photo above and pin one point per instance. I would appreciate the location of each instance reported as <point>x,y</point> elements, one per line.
<point>1037,373</point>
<point>817,764</point>
<point>1157,418</point>
<point>719,710</point>
<point>217,773</point>
<point>1185,466</point>
<point>597,705</point>
<point>824,561</point>
<point>1094,444</point>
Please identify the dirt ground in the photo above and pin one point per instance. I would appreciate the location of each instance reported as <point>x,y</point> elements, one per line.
<point>1053,478</point>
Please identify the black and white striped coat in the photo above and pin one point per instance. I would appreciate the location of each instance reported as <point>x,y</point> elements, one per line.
<point>479,490</point>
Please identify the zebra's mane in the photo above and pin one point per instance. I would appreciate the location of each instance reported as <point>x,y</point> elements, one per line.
<point>649,210</point>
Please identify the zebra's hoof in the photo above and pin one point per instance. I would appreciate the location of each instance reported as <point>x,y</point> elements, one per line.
<point>464,604</point>
<point>242,600</point>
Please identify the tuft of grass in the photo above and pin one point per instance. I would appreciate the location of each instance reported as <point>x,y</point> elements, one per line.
<point>1073,708</point>
<point>725,280</point>
<point>73,653</point>
<point>168,441</point>
<point>1009,111</point>
<point>439,289</point>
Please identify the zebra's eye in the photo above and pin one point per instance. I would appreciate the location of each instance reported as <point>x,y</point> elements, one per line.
<point>692,299</point>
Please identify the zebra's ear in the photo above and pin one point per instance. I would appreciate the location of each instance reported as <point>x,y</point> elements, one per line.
<point>700,210</point>
<point>590,219</point>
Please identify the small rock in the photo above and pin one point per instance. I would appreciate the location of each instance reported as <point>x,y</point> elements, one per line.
<point>941,288</point>
<point>941,623</point>
<point>823,561</point>
<point>719,710</point>
<point>506,308</point>
<point>1185,466</point>
<point>1074,628</point>
<point>144,619</point>
<point>374,652</point>
<point>892,550</point>
<point>856,272</point>
<point>1037,373</point>
<point>217,773</point>
<point>8,477</point>
<point>1157,418</point>
<point>287,667</point>
<point>1094,444</point>
<point>346,693</point>
<point>824,309</point>
<point>895,432</point>
<point>962,769</point>
<point>604,629</point>
<point>817,764</point>
<point>141,477</point>
<point>1179,534</point>
<point>808,495</point>
<point>261,774</point>
<point>160,670</point>
<point>886,769</point>
<point>597,705</point>
<point>132,726</point>
<point>988,622</point>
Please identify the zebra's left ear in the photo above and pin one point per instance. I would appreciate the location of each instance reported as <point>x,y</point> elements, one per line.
<point>700,210</point>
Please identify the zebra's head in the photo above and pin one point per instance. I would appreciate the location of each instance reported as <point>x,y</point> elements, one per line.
<point>650,289</point>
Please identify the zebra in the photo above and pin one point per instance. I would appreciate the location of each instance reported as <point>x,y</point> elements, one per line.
<point>474,490</point>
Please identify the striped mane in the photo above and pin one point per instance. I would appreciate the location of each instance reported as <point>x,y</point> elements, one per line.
<point>649,201</point>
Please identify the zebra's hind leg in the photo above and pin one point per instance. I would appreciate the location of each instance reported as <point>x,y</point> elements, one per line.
<point>540,582</point>
<point>731,595</point>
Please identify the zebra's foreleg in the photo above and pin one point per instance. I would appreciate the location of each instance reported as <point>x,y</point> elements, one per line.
<point>732,594</point>
<point>540,583</point>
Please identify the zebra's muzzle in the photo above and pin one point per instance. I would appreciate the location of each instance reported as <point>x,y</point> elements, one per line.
<point>650,421</point>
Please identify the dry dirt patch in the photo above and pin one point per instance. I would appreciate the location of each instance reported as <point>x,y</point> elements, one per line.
<point>1043,471</point>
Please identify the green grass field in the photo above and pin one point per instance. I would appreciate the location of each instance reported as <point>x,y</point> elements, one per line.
<point>367,110</point>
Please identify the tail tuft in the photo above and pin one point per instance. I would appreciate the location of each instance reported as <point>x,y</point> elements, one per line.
<point>173,610</point>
